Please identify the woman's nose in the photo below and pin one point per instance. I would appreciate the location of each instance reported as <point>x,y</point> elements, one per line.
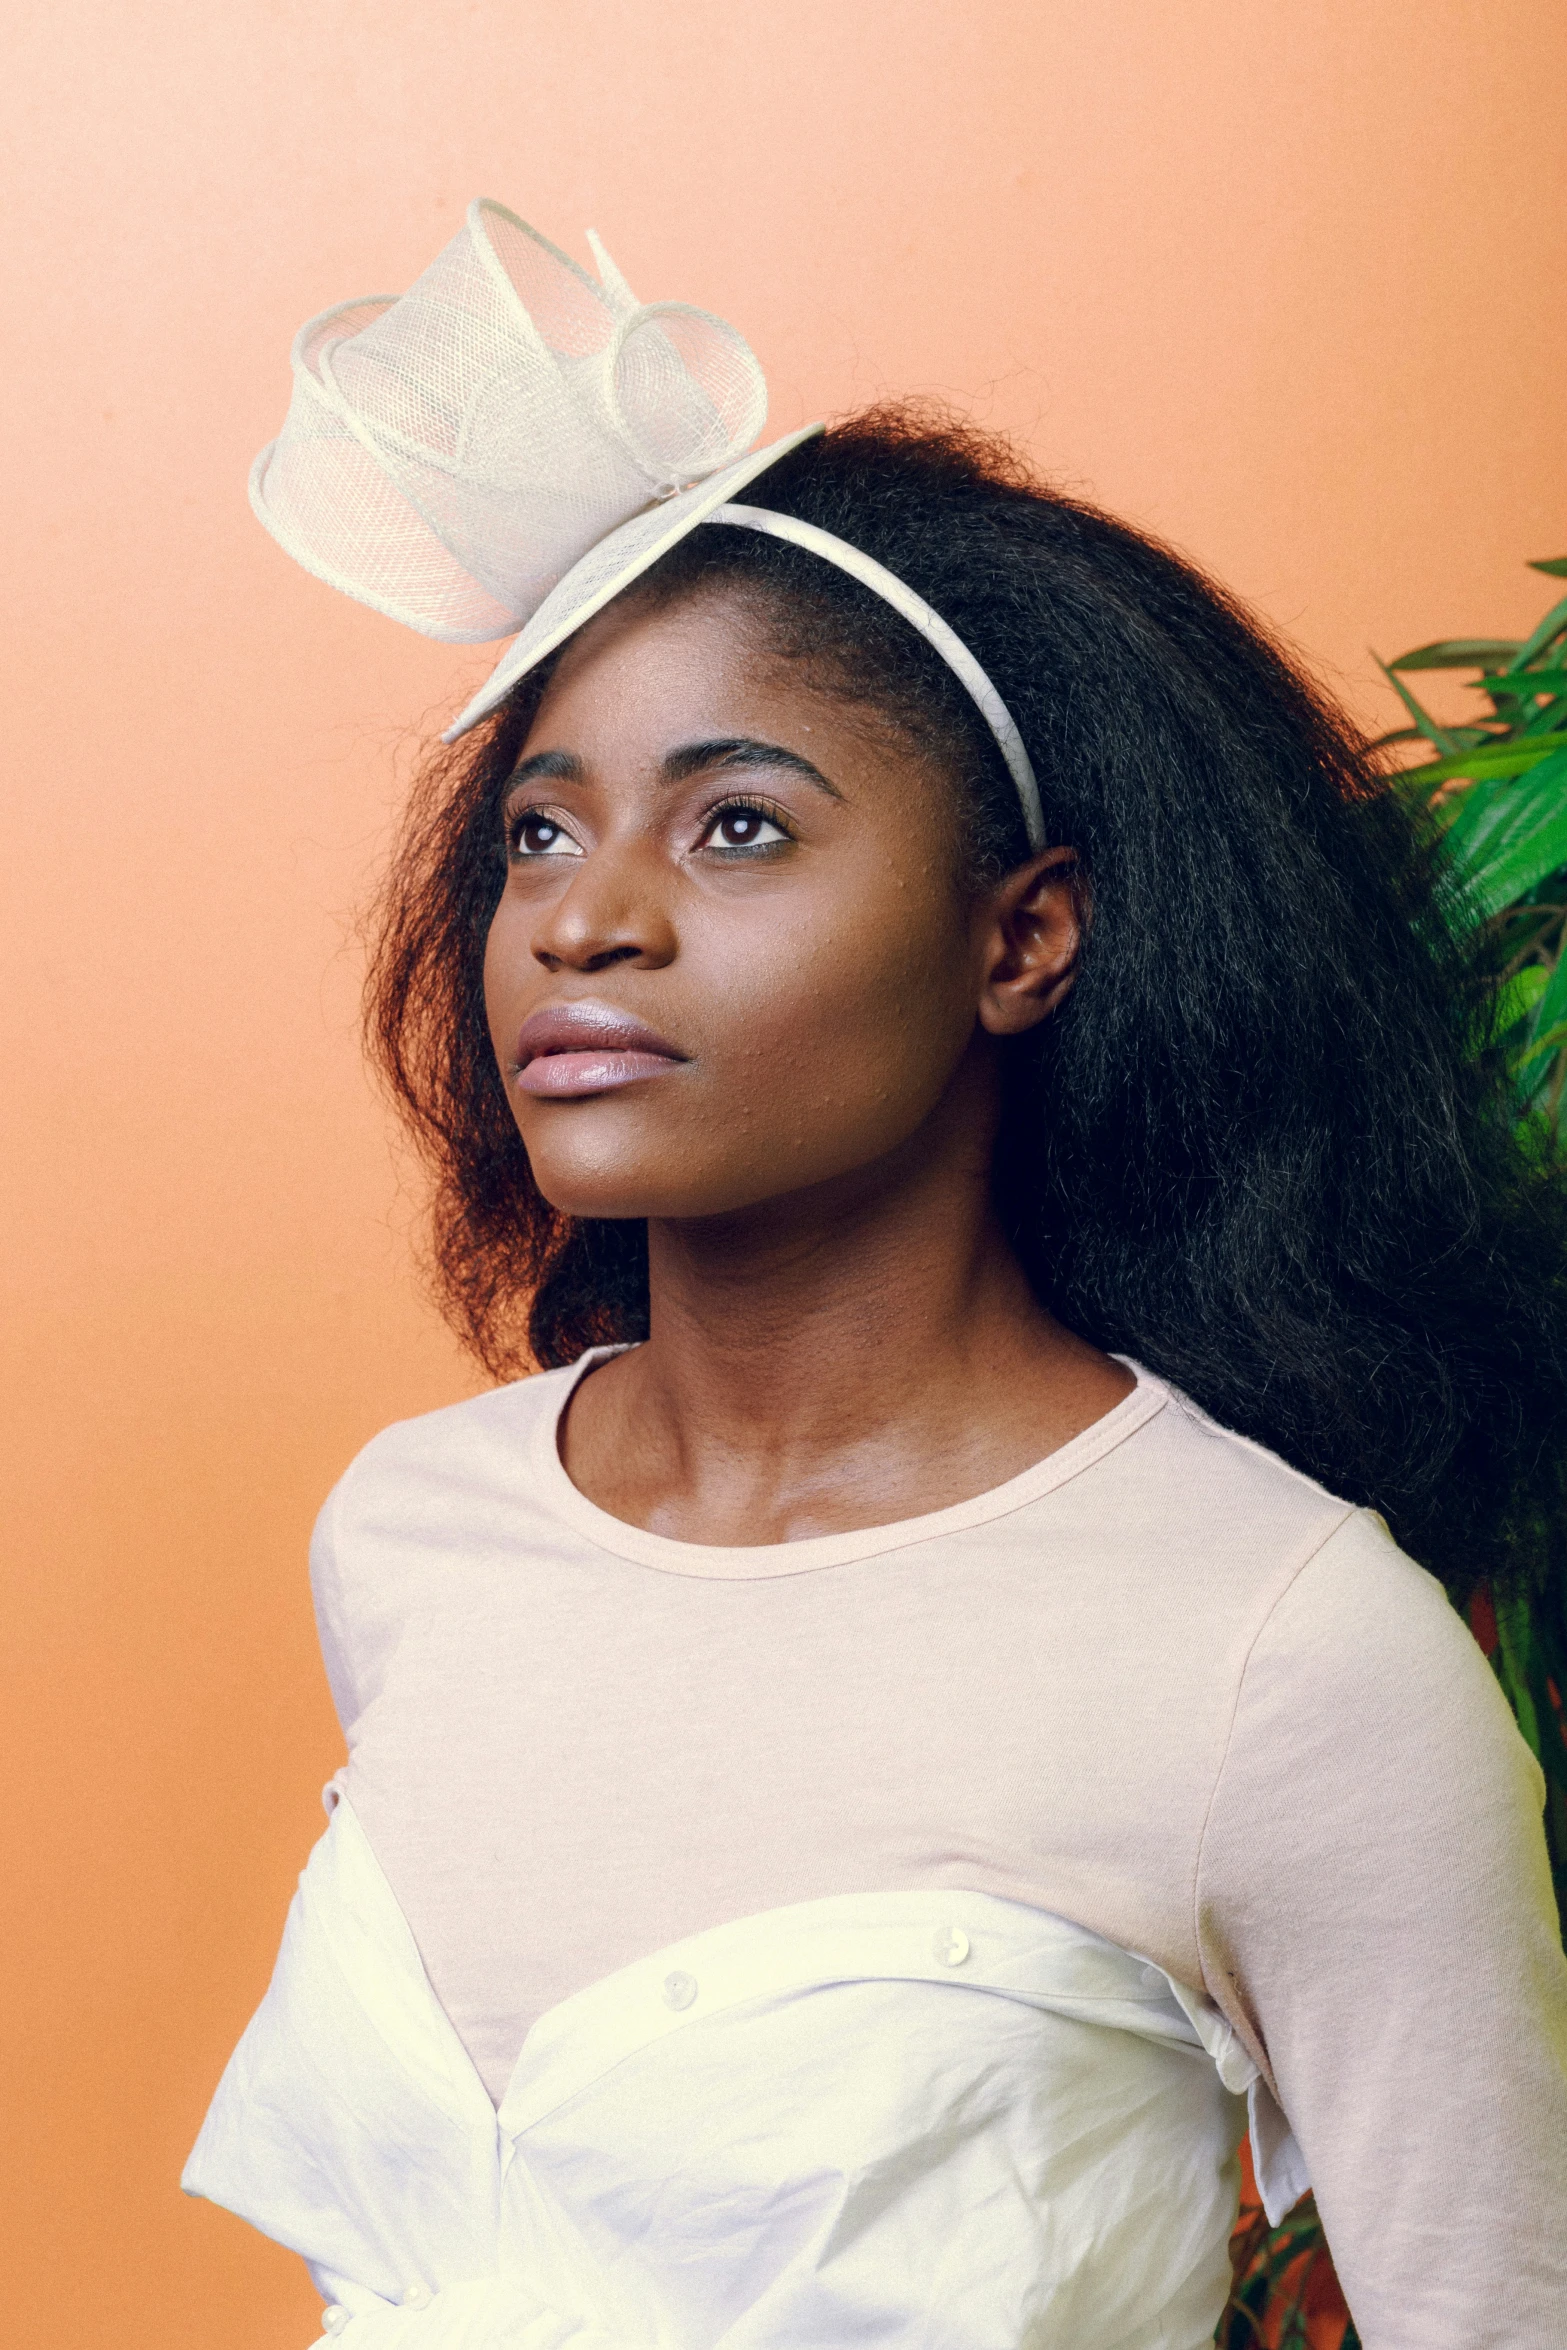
<point>613,912</point>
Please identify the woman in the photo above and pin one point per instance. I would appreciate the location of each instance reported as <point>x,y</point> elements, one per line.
<point>860,1764</point>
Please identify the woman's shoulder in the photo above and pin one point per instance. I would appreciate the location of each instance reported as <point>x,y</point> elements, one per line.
<point>1205,1456</point>
<point>477,1438</point>
<point>1370,1636</point>
<point>1216,1520</point>
<point>1346,1598</point>
<point>425,1503</point>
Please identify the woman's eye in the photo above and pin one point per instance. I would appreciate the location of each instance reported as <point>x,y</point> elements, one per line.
<point>742,827</point>
<point>537,835</point>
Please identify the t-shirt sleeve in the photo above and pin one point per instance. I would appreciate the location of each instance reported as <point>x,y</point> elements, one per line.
<point>1375,1913</point>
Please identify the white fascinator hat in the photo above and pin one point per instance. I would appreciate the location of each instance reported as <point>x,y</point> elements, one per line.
<point>502,449</point>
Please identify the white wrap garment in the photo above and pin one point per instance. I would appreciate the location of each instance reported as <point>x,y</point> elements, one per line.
<point>927,2119</point>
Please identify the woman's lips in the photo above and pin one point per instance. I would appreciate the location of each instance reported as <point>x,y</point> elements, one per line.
<point>569,1049</point>
<point>568,1073</point>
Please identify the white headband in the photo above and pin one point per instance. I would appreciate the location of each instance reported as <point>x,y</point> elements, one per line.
<point>478,456</point>
<point>931,626</point>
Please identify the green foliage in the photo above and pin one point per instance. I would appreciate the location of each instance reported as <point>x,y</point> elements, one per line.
<point>1285,2295</point>
<point>1498,787</point>
<point>1526,1640</point>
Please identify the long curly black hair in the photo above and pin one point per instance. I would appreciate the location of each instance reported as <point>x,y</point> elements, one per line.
<point>1266,1147</point>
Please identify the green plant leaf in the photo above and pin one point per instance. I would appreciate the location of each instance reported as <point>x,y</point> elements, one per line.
<point>1517,997</point>
<point>1550,1044</point>
<point>1556,565</point>
<point>1552,1005</point>
<point>1532,1075</point>
<point>1515,1647</point>
<point>1550,627</point>
<point>1443,737</point>
<point>1504,842</point>
<point>1487,764</point>
<point>1459,652</point>
<point>1398,734</point>
<point>1547,1038</point>
<point>1465,741</point>
<point>1516,683</point>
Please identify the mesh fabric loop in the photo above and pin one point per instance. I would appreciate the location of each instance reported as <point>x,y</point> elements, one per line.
<point>504,448</point>
<point>449,454</point>
<point>684,392</point>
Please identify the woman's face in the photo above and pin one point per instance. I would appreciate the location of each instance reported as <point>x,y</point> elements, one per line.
<point>734,956</point>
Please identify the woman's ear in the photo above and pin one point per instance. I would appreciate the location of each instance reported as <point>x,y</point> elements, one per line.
<point>1033,936</point>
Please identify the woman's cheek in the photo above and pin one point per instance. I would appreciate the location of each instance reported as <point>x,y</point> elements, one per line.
<point>843,1051</point>
<point>506,965</point>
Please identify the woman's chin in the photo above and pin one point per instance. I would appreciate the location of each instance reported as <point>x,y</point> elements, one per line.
<point>624,1195</point>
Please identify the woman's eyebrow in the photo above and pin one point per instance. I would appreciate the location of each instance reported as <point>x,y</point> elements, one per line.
<point>546,767</point>
<point>741,750</point>
<point>730,750</point>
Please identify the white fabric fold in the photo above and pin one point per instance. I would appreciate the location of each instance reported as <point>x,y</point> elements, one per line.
<point>486,2313</point>
<point>940,2119</point>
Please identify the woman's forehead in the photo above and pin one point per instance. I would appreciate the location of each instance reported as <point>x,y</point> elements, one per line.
<point>647,675</point>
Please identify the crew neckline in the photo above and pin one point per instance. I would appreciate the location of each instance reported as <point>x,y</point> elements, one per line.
<point>752,1562</point>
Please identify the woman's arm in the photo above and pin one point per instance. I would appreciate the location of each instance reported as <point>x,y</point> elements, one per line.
<point>1375,1910</point>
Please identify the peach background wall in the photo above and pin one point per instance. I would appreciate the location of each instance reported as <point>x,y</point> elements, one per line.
<point>1283,280</point>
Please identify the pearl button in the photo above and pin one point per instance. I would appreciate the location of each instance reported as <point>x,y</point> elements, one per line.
<point>334,2319</point>
<point>951,1946</point>
<point>416,2296</point>
<point>1151,1976</point>
<point>679,1989</point>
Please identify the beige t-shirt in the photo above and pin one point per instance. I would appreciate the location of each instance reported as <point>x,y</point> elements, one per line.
<point>1160,1684</point>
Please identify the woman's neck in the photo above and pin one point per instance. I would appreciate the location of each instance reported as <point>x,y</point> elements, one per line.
<point>864,1352</point>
